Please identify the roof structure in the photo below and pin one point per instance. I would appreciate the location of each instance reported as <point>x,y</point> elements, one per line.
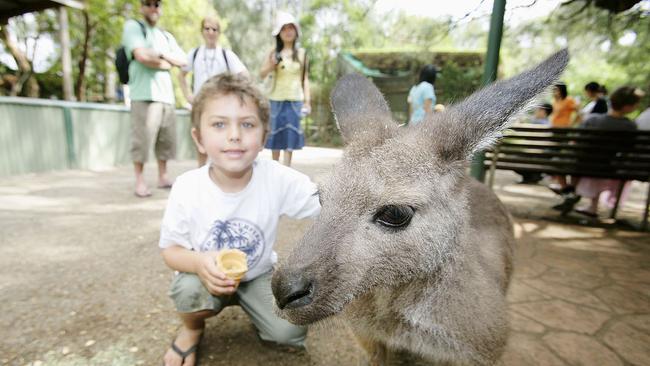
<point>12,8</point>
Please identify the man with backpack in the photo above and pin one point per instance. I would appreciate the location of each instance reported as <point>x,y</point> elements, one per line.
<point>151,53</point>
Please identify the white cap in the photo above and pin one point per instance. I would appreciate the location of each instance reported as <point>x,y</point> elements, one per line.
<point>283,19</point>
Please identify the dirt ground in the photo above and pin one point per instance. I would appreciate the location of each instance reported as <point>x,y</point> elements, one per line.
<point>82,281</point>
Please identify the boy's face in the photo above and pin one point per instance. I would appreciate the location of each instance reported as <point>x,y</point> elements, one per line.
<point>231,134</point>
<point>210,31</point>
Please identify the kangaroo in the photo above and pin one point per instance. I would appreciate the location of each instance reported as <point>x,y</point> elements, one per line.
<point>413,253</point>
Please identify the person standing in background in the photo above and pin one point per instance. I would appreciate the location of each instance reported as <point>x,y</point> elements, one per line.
<point>207,61</point>
<point>289,96</point>
<point>422,97</point>
<point>153,52</point>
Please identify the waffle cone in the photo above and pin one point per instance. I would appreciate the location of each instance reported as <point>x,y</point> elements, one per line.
<point>233,263</point>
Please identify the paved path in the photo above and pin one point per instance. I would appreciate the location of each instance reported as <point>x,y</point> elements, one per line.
<point>81,281</point>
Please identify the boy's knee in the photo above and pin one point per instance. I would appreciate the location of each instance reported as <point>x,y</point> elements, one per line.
<point>287,335</point>
<point>188,293</point>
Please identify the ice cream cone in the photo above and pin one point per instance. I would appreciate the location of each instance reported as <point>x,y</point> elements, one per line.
<point>233,263</point>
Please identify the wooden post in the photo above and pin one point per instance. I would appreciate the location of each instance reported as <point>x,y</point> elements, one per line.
<point>477,168</point>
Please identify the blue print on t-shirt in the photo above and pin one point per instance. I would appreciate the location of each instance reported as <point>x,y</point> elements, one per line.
<point>236,234</point>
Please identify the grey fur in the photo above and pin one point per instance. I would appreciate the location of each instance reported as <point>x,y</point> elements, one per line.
<point>437,287</point>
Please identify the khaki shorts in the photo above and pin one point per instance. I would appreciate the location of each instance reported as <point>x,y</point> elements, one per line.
<point>152,123</point>
<point>254,297</point>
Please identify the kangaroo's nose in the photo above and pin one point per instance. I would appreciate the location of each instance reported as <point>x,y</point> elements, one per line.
<point>292,290</point>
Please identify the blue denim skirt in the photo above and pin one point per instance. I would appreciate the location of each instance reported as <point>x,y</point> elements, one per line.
<point>286,133</point>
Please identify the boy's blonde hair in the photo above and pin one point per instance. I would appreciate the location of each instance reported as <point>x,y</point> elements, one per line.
<point>211,18</point>
<point>229,84</point>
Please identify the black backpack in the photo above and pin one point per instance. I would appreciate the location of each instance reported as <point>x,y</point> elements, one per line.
<point>122,61</point>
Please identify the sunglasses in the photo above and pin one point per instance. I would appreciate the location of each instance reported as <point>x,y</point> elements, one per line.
<point>153,4</point>
<point>210,28</point>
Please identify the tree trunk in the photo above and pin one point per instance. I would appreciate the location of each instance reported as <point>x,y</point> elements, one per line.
<point>80,85</point>
<point>66,60</point>
<point>24,66</point>
<point>111,79</point>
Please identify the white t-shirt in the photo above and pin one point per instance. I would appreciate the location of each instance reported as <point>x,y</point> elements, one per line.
<point>643,120</point>
<point>586,110</point>
<point>209,62</point>
<point>201,217</point>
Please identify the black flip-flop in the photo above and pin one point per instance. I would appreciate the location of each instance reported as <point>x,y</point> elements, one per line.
<point>189,351</point>
<point>586,213</point>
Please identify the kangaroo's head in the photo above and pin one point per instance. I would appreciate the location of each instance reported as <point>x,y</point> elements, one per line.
<point>394,207</point>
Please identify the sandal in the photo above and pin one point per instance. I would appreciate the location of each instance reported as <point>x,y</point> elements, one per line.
<point>189,351</point>
<point>586,212</point>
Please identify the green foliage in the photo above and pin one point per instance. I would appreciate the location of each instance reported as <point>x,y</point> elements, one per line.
<point>457,82</point>
<point>330,26</point>
<point>593,37</point>
<point>247,25</point>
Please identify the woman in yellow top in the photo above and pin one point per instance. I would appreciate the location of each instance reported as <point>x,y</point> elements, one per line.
<point>289,96</point>
<point>564,107</point>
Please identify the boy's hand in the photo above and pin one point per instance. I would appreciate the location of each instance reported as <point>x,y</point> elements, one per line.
<point>215,281</point>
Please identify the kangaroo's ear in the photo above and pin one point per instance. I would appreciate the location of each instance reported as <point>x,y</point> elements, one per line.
<point>477,122</point>
<point>360,110</point>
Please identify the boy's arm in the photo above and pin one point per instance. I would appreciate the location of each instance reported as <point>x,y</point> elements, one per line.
<point>299,198</point>
<point>203,264</point>
<point>175,241</point>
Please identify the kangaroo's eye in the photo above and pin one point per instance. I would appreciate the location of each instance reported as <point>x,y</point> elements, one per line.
<point>393,216</point>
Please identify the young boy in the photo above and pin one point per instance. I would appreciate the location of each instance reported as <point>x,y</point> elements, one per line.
<point>234,201</point>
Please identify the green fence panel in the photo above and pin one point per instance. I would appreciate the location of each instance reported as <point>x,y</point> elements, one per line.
<point>32,139</point>
<point>35,137</point>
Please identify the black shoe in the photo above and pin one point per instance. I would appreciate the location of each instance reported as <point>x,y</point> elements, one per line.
<point>567,205</point>
<point>568,190</point>
<point>562,191</point>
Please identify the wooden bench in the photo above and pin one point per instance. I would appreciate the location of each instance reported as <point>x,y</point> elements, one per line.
<point>623,155</point>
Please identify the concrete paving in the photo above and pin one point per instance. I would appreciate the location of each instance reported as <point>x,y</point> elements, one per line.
<point>580,294</point>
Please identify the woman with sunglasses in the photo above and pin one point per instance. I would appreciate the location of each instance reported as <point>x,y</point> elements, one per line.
<point>207,61</point>
<point>289,95</point>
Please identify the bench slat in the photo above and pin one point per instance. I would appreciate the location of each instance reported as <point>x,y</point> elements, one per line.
<point>602,168</point>
<point>573,158</point>
<point>552,170</point>
<point>628,148</point>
